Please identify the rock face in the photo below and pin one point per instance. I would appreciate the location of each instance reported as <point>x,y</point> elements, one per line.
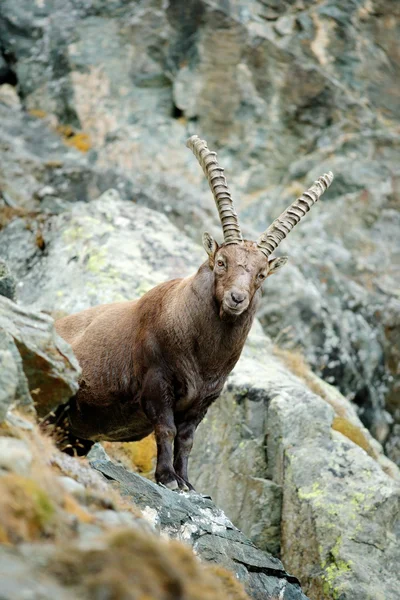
<point>112,250</point>
<point>284,91</point>
<point>267,445</point>
<point>195,520</point>
<point>35,362</point>
<point>289,471</point>
<point>36,503</point>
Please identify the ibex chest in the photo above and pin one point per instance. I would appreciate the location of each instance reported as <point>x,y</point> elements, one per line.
<point>196,383</point>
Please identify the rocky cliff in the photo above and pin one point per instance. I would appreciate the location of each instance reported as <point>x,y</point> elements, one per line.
<point>285,90</point>
<point>100,200</point>
<point>65,533</point>
<point>286,457</point>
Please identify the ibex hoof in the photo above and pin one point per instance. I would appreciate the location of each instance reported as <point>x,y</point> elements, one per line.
<point>172,485</point>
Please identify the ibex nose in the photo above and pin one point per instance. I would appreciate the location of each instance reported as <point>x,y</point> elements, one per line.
<point>238,297</point>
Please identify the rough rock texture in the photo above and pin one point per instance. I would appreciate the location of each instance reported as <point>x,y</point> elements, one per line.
<point>66,533</point>
<point>109,249</point>
<point>289,471</point>
<point>7,281</point>
<point>285,91</point>
<point>36,365</point>
<point>194,519</point>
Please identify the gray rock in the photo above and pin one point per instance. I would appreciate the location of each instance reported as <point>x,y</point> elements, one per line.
<point>34,361</point>
<point>339,511</point>
<point>72,487</point>
<point>15,456</point>
<point>18,421</point>
<point>104,251</point>
<point>112,518</point>
<point>19,579</point>
<point>7,281</point>
<point>110,250</point>
<point>195,520</point>
<point>283,91</point>
<point>14,388</point>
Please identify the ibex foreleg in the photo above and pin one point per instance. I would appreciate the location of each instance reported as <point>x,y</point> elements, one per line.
<point>157,403</point>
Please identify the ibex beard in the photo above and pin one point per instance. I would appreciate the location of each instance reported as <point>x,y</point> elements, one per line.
<point>157,364</point>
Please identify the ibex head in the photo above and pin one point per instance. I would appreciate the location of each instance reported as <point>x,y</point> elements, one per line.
<point>240,266</point>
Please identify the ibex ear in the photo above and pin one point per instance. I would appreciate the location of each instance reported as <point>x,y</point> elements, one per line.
<point>210,245</point>
<point>276,263</point>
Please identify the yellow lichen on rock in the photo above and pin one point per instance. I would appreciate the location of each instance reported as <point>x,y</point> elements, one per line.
<point>353,433</point>
<point>38,113</point>
<point>346,420</point>
<point>141,456</point>
<point>77,139</point>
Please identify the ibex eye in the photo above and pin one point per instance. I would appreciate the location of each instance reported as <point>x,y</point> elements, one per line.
<point>261,276</point>
<point>220,263</point>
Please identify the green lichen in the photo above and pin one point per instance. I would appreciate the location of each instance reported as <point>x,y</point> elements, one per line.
<point>44,507</point>
<point>332,509</point>
<point>72,234</point>
<point>336,548</point>
<point>333,571</point>
<point>96,261</point>
<point>315,493</point>
<point>358,499</point>
<point>362,503</point>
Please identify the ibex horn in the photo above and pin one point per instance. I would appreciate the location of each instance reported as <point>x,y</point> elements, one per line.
<point>219,188</point>
<point>272,237</point>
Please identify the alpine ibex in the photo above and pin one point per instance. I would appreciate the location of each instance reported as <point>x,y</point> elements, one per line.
<point>156,364</point>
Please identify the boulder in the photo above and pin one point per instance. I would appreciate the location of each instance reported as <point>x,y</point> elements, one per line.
<point>37,367</point>
<point>195,520</point>
<point>101,529</point>
<point>74,536</point>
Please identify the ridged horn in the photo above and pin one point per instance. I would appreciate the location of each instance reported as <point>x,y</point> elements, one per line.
<point>219,188</point>
<point>272,237</point>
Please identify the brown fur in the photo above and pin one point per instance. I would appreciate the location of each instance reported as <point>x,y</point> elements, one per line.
<point>156,364</point>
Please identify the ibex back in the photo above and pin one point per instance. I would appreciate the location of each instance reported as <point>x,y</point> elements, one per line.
<point>156,364</point>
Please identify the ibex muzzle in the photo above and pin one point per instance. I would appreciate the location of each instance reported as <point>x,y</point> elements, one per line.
<point>157,364</point>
